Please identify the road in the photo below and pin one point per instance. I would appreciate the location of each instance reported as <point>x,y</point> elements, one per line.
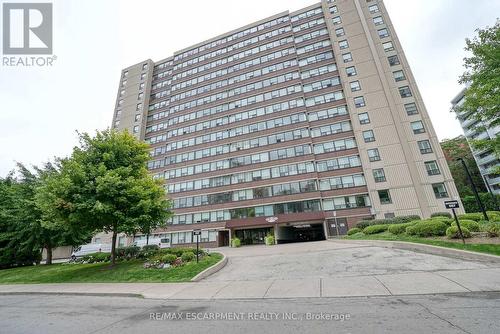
<point>457,313</point>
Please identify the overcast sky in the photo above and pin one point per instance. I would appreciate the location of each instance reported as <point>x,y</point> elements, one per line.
<point>41,108</point>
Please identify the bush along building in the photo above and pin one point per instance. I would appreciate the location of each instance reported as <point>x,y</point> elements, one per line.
<point>298,125</point>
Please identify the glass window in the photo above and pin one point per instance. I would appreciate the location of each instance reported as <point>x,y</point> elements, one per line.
<point>393,60</point>
<point>432,167</point>
<point>136,129</point>
<point>355,86</point>
<point>378,20</point>
<point>405,91</point>
<point>417,127</point>
<point>439,190</point>
<point>382,33</point>
<point>384,196</point>
<point>351,71</point>
<point>424,146</point>
<point>337,20</point>
<point>388,46</point>
<point>379,175</point>
<point>373,154</point>
<point>347,57</point>
<point>359,101</point>
<point>373,9</point>
<point>343,44</point>
<point>363,118</point>
<point>399,76</point>
<point>411,109</point>
<point>339,32</point>
<point>368,136</point>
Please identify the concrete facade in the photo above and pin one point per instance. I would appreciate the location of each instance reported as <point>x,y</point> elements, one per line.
<point>299,124</point>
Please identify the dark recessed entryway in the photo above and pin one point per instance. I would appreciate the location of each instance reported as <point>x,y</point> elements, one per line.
<point>300,233</point>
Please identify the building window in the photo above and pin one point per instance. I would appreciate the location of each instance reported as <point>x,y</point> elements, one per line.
<point>355,86</point>
<point>339,32</point>
<point>405,91</point>
<point>333,9</point>
<point>337,20</point>
<point>351,71</point>
<point>343,44</point>
<point>143,75</point>
<point>347,57</point>
<point>363,118</point>
<point>137,117</point>
<point>388,46</point>
<point>432,168</point>
<point>424,146</point>
<point>136,129</point>
<point>411,109</point>
<point>417,127</point>
<point>373,9</point>
<point>141,86</point>
<point>384,196</point>
<point>120,102</point>
<point>393,60</point>
<point>125,73</point>
<point>144,67</point>
<point>439,190</point>
<point>124,82</point>
<point>373,155</point>
<point>378,20</point>
<point>122,92</point>
<point>368,136</point>
<point>359,101</point>
<point>379,175</point>
<point>117,123</point>
<point>138,107</point>
<point>399,76</point>
<point>140,96</point>
<point>382,33</point>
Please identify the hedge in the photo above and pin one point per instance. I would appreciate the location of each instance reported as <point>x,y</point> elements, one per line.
<point>353,230</point>
<point>396,220</point>
<point>374,229</point>
<point>476,216</point>
<point>441,214</point>
<point>427,228</point>
<point>453,233</point>
<point>471,225</point>
<point>188,256</point>
<point>399,228</point>
<point>493,229</point>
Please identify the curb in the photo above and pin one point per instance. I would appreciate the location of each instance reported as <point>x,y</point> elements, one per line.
<point>429,249</point>
<point>211,270</point>
<point>93,294</point>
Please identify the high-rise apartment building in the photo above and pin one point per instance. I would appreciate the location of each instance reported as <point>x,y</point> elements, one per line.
<point>299,125</point>
<point>486,159</point>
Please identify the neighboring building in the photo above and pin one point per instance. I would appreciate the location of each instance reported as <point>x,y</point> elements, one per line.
<point>300,124</point>
<point>486,159</point>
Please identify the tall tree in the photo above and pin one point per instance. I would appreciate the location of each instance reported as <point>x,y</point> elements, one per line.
<point>482,78</point>
<point>105,186</point>
<point>459,148</point>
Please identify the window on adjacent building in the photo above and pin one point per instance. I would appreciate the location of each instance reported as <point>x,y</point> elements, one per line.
<point>411,109</point>
<point>347,57</point>
<point>399,76</point>
<point>117,123</point>
<point>373,154</point>
<point>417,127</point>
<point>388,46</point>
<point>122,92</point>
<point>140,96</point>
<point>355,86</point>
<point>379,175</point>
<point>432,167</point>
<point>141,86</point>
<point>439,190</point>
<point>405,91</point>
<point>359,101</point>
<point>138,107</point>
<point>343,44</point>
<point>339,32</point>
<point>120,102</point>
<point>378,20</point>
<point>393,60</point>
<point>143,75</point>
<point>382,33</point>
<point>368,136</point>
<point>144,67</point>
<point>363,118</point>
<point>337,20</point>
<point>424,146</point>
<point>137,117</point>
<point>351,71</point>
<point>373,9</point>
<point>384,196</point>
<point>125,73</point>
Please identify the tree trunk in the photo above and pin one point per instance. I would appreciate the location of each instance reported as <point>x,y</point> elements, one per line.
<point>49,254</point>
<point>113,248</point>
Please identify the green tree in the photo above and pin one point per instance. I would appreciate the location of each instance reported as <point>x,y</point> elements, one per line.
<point>459,148</point>
<point>482,78</point>
<point>105,186</point>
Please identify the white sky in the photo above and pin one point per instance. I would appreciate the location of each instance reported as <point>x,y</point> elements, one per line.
<point>93,39</point>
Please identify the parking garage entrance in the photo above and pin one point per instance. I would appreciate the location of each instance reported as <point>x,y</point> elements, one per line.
<point>299,233</point>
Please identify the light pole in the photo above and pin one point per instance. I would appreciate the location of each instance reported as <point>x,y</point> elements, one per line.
<point>478,200</point>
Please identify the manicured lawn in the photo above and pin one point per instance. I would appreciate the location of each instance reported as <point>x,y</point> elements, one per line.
<point>482,248</point>
<point>126,271</point>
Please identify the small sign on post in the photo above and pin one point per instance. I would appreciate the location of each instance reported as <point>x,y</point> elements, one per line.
<point>197,233</point>
<point>454,205</point>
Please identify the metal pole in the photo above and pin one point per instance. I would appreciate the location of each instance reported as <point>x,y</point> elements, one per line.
<point>458,226</point>
<point>197,247</point>
<point>493,196</point>
<point>474,189</point>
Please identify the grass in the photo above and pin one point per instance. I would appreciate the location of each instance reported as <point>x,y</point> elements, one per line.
<point>126,271</point>
<point>481,248</point>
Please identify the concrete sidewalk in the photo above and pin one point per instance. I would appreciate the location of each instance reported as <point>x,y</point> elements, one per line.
<point>412,283</point>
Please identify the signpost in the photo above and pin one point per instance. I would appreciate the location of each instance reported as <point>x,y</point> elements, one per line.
<point>454,205</point>
<point>197,233</point>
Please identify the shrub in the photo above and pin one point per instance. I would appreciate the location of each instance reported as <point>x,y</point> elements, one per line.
<point>447,221</point>
<point>127,253</point>
<point>470,203</point>
<point>399,228</point>
<point>476,216</point>
<point>471,225</point>
<point>188,256</point>
<point>168,258</point>
<point>404,219</point>
<point>148,251</point>
<point>493,229</point>
<point>353,230</point>
<point>427,228</point>
<point>441,214</point>
<point>148,248</point>
<point>178,251</point>
<point>362,224</point>
<point>235,242</point>
<point>453,233</point>
<point>269,239</point>
<point>374,229</point>
<point>96,257</point>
